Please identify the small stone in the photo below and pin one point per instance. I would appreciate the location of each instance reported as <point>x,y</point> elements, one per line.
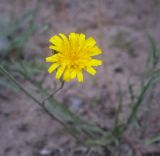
<point>75,103</point>
<point>45,152</point>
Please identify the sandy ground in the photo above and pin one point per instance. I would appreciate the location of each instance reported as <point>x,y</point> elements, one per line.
<point>25,130</point>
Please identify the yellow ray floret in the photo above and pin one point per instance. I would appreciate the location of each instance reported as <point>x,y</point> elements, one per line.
<point>73,54</point>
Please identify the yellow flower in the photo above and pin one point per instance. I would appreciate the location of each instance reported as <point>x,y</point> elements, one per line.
<point>72,55</point>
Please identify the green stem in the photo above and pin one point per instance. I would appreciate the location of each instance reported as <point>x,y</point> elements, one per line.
<point>54,92</point>
<point>99,23</point>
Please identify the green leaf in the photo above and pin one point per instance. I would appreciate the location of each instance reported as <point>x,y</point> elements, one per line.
<point>10,86</point>
<point>153,55</point>
<point>60,110</point>
<point>19,23</point>
<point>152,140</point>
<point>134,110</point>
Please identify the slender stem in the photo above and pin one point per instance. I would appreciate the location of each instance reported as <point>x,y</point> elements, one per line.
<point>54,92</point>
<point>99,23</point>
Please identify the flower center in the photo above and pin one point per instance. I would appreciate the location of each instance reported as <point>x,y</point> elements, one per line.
<point>74,66</point>
<point>75,62</point>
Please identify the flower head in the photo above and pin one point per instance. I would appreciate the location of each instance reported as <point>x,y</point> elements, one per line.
<point>72,55</point>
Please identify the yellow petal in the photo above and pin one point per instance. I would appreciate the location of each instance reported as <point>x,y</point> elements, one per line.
<point>58,49</point>
<point>90,42</point>
<point>53,67</point>
<point>73,74</point>
<point>81,40</point>
<point>56,40</point>
<point>94,51</point>
<point>65,39</point>
<point>80,76</point>
<point>96,62</point>
<point>60,71</point>
<point>73,40</point>
<point>52,58</point>
<point>66,45</point>
<point>67,75</point>
<point>91,70</point>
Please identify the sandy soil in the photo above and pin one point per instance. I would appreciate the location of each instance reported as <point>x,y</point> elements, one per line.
<point>25,130</point>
